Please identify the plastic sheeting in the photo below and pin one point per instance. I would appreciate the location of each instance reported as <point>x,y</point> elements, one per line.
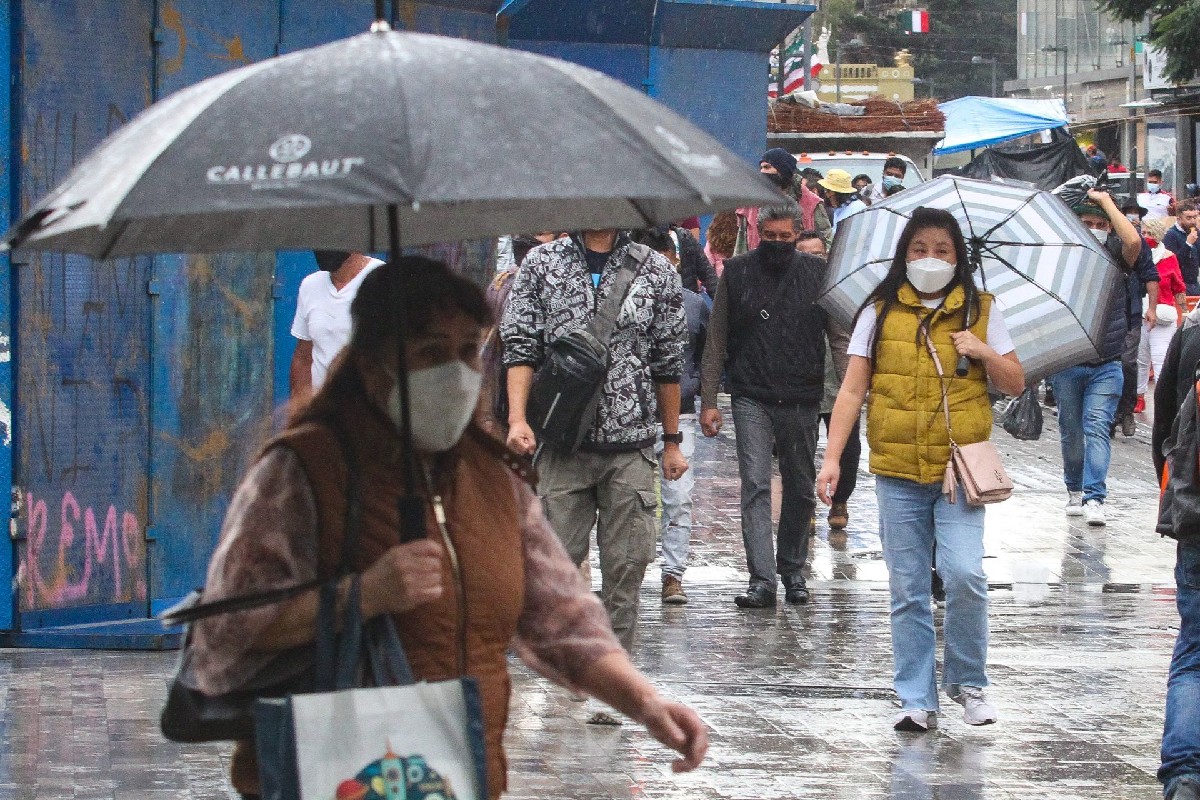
<point>973,122</point>
<point>1042,165</point>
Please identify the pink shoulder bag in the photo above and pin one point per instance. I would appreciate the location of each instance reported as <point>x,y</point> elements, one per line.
<point>977,467</point>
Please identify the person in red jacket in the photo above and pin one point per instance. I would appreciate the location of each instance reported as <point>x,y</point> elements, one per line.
<point>1152,350</point>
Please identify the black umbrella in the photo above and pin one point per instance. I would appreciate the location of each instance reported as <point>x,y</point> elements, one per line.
<point>440,139</point>
<point>382,139</point>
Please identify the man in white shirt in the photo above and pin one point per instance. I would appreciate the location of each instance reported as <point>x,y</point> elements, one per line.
<point>1156,202</point>
<point>322,322</point>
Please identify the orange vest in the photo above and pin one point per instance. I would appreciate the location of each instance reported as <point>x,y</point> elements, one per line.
<point>483,524</point>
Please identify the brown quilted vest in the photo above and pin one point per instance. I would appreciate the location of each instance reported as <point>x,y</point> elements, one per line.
<point>483,524</point>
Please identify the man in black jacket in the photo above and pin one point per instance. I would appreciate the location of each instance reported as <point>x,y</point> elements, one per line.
<point>769,335</point>
<point>1183,239</point>
<point>1180,767</point>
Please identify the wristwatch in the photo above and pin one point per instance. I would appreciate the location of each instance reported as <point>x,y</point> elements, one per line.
<point>673,438</point>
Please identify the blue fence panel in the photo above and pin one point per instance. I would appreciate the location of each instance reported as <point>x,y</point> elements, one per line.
<point>308,23</point>
<point>8,190</point>
<point>478,27</point>
<point>212,363</point>
<point>82,328</point>
<point>718,90</point>
<point>625,62</point>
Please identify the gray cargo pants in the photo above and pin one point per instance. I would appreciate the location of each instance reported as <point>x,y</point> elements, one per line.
<point>615,493</point>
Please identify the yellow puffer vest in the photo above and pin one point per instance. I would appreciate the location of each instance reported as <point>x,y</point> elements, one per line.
<point>906,428</point>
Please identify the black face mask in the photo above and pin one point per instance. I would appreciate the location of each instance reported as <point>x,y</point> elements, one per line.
<point>776,255</point>
<point>782,181</point>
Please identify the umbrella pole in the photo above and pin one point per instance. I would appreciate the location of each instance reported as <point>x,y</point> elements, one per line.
<point>412,508</point>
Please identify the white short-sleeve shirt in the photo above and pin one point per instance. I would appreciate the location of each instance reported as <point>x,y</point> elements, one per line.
<point>1157,204</point>
<point>998,337</point>
<point>323,317</point>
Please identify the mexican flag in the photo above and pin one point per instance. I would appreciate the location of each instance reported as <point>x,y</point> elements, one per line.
<point>793,66</point>
<point>915,20</point>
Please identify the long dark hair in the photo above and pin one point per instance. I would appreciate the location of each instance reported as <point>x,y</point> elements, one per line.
<point>888,290</point>
<point>426,289</point>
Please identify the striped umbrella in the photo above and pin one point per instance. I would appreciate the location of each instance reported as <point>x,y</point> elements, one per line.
<point>1050,276</point>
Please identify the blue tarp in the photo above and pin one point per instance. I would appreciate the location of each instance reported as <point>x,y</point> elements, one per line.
<point>973,122</point>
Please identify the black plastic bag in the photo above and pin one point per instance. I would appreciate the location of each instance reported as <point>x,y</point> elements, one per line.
<point>1023,417</point>
<point>1075,191</point>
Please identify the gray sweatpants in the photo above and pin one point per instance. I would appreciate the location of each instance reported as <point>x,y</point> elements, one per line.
<point>615,493</point>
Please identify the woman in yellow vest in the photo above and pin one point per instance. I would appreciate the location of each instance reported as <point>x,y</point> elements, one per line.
<point>928,294</point>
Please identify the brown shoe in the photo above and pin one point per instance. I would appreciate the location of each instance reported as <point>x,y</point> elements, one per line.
<point>672,591</point>
<point>839,516</point>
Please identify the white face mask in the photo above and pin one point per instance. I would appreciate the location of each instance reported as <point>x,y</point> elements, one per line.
<point>1101,236</point>
<point>1153,188</point>
<point>930,275</point>
<point>442,400</point>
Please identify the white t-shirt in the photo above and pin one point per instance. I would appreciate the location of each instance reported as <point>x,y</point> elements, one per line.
<point>323,317</point>
<point>998,336</point>
<point>1156,204</point>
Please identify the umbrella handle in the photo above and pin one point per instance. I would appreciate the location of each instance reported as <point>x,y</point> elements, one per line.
<point>963,366</point>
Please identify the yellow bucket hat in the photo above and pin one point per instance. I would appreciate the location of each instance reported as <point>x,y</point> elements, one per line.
<point>838,180</point>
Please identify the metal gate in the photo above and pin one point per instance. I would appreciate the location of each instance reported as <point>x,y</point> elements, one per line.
<point>82,419</point>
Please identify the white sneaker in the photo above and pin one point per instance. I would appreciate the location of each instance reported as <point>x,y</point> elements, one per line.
<point>976,709</point>
<point>1093,511</point>
<point>915,720</point>
<point>1074,504</point>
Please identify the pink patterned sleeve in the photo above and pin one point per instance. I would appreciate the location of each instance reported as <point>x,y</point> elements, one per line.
<point>563,626</point>
<point>268,541</point>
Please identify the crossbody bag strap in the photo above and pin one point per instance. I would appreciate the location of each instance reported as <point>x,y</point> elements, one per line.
<point>191,609</point>
<point>950,478</point>
<point>937,364</point>
<point>604,322</point>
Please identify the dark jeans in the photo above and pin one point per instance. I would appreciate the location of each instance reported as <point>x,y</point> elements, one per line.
<point>1181,731</point>
<point>793,430</point>
<point>1129,370</point>
<point>848,463</point>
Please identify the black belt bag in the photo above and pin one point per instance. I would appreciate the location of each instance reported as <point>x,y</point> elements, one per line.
<point>567,387</point>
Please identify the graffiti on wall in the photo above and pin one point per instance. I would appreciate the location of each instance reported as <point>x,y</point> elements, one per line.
<point>76,553</point>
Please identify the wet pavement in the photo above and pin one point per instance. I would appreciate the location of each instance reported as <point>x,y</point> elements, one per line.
<point>798,699</point>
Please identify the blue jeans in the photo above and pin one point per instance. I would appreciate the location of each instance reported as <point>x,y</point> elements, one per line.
<point>677,503</point>
<point>1087,405</point>
<point>792,429</point>
<point>912,516</point>
<point>1181,732</point>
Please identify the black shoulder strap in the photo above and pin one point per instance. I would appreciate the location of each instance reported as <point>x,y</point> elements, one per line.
<point>191,609</point>
<point>605,321</point>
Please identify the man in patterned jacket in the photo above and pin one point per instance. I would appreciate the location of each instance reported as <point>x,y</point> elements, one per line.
<point>609,482</point>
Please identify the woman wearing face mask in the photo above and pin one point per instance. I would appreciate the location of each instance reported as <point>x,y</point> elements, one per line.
<point>493,575</point>
<point>927,295</point>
